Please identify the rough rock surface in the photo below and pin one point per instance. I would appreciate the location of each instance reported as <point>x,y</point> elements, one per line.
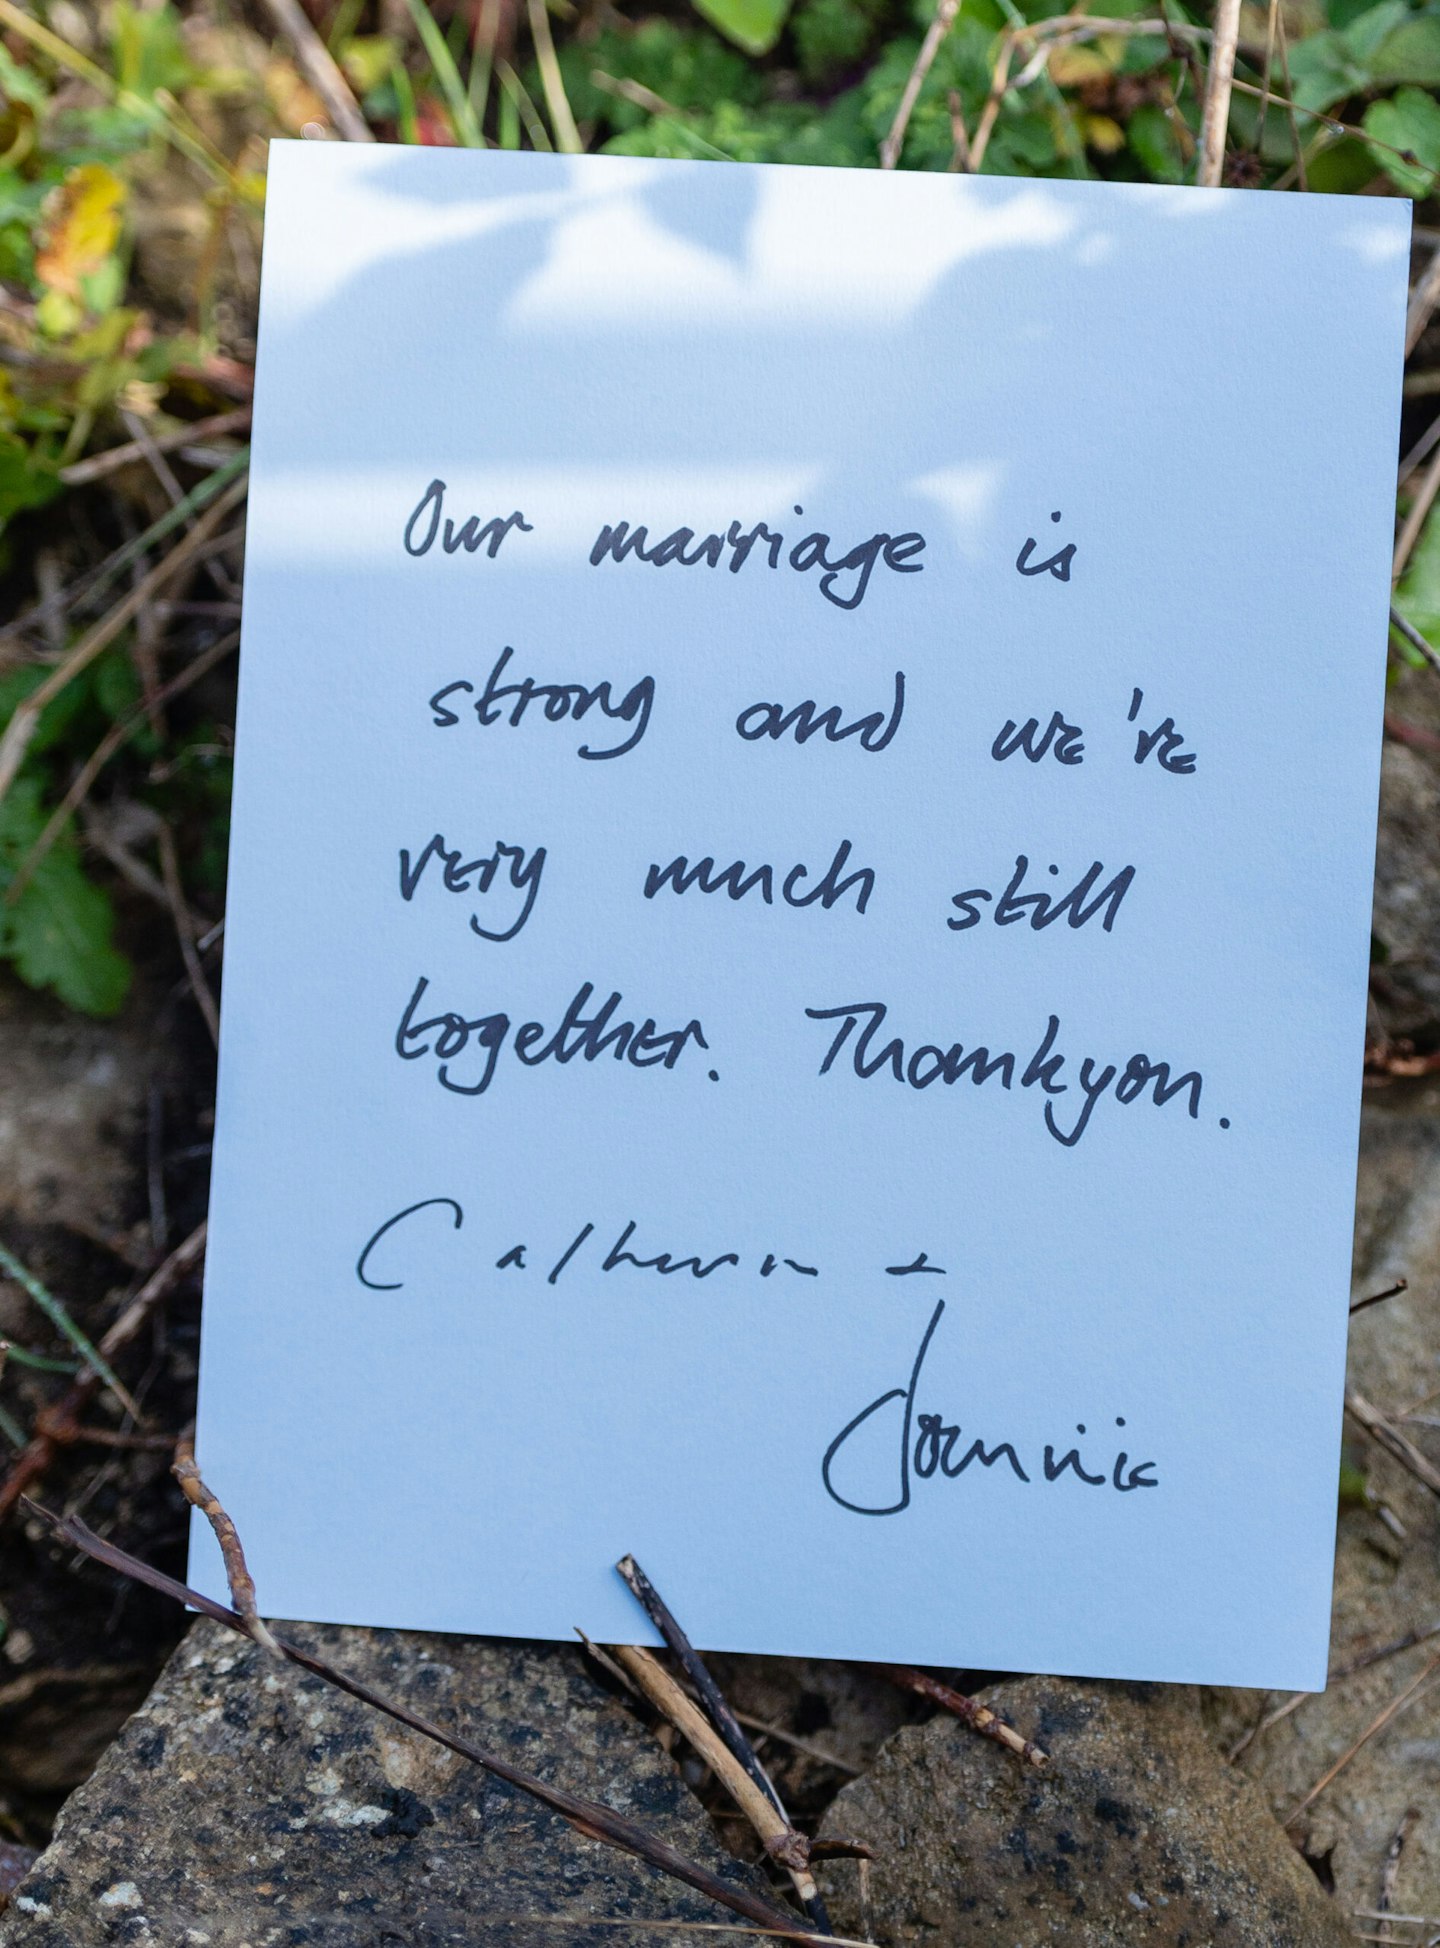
<point>248,1805</point>
<point>1386,1585</point>
<point>72,1111</point>
<point>1136,1832</point>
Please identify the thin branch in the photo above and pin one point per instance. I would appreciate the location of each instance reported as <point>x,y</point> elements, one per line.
<point>1415,520</point>
<point>63,1420</point>
<point>935,33</point>
<point>977,1716</point>
<point>56,1313</point>
<point>185,932</point>
<point>1396,1705</point>
<point>805,1745</point>
<point>779,1839</point>
<point>989,114</point>
<point>721,1716</point>
<point>237,1570</point>
<point>1389,1437</point>
<point>588,1816</point>
<point>725,1725</point>
<point>1265,73</point>
<point>115,737</point>
<point>1423,300</point>
<point>1414,638</point>
<point>1421,450</point>
<point>22,726</point>
<point>1215,117</point>
<point>1390,1292</point>
<point>97,466</point>
<point>320,70</point>
<point>1391,1869</point>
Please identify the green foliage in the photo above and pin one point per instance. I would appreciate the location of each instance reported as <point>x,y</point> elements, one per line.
<point>57,933</point>
<point>752,24</point>
<point>1409,125</point>
<point>187,85</point>
<point>1418,596</point>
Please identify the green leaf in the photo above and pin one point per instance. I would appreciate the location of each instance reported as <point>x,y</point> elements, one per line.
<point>752,24</point>
<point>1342,168</point>
<point>148,48</point>
<point>1408,126</point>
<point>1368,32</point>
<point>1154,144</point>
<point>57,934</point>
<point>1323,71</point>
<point>60,930</point>
<point>26,480</point>
<point>1418,596</point>
<point>1411,53</point>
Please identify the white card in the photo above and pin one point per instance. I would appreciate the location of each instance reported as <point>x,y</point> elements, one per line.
<point>799,906</point>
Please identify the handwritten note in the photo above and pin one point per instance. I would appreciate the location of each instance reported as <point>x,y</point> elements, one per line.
<point>799,906</point>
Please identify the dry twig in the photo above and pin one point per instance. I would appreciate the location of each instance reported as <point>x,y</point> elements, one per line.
<point>237,1570</point>
<point>21,728</point>
<point>185,932</point>
<point>1423,300</point>
<point>118,735</point>
<point>1415,520</point>
<point>779,1839</point>
<point>977,1716</point>
<point>60,1318</point>
<point>725,1730</point>
<point>588,1816</point>
<point>1412,634</point>
<point>97,466</point>
<point>1387,1436</point>
<point>1396,1705</point>
<point>320,70</point>
<point>935,33</point>
<point>1390,1292</point>
<point>60,1425</point>
<point>721,1716</point>
<point>1391,1869</point>
<point>1215,118</point>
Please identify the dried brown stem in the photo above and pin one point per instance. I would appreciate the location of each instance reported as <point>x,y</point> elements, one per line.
<point>61,1423</point>
<point>690,1661</point>
<point>118,735</point>
<point>96,466</point>
<point>1423,300</point>
<point>1390,1871</point>
<point>319,69</point>
<point>185,932</point>
<point>1390,1292</point>
<point>588,1816</point>
<point>1215,116</point>
<point>977,1716</point>
<point>1337,1676</point>
<point>1412,635</point>
<point>237,1570</point>
<point>989,114</point>
<point>1415,519</point>
<point>1378,1724</point>
<point>21,728</point>
<point>1387,1436</point>
<point>779,1839</point>
<point>935,33</point>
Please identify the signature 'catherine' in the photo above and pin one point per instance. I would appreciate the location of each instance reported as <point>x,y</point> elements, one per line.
<point>929,1445</point>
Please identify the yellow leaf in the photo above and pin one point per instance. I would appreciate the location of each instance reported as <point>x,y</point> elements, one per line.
<point>1103,134</point>
<point>1072,67</point>
<point>81,227</point>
